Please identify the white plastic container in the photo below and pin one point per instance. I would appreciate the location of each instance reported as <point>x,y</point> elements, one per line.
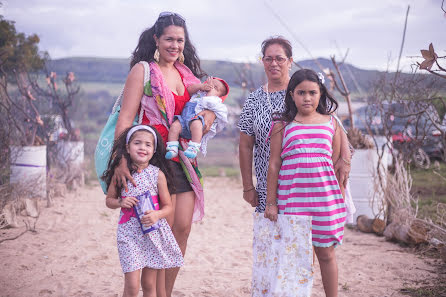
<point>28,170</point>
<point>364,166</point>
<point>70,152</point>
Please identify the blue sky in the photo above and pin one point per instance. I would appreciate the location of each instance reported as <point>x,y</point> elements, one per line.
<point>233,30</point>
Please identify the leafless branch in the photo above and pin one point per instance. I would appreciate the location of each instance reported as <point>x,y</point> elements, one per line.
<point>353,78</point>
<point>402,44</point>
<point>345,92</point>
<point>15,237</point>
<point>284,24</point>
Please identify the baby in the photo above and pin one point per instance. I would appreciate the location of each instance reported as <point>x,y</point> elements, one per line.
<point>208,95</point>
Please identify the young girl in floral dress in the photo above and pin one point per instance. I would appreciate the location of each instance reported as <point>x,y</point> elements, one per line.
<point>145,240</point>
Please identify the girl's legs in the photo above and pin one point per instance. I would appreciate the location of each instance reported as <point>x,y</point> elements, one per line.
<point>148,282</point>
<point>171,217</point>
<point>161,283</point>
<point>131,283</point>
<point>329,269</point>
<point>184,209</point>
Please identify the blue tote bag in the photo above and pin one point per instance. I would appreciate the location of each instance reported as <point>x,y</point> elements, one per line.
<point>105,142</point>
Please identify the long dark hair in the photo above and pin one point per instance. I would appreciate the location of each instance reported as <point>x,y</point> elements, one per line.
<point>119,151</point>
<point>327,103</point>
<point>146,45</point>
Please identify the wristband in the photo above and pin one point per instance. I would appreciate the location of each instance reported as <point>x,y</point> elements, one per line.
<point>271,204</point>
<point>249,190</point>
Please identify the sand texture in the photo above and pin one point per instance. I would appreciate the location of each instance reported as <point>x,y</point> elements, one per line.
<point>73,253</point>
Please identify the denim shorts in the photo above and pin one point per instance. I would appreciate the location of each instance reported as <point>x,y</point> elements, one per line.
<point>186,117</point>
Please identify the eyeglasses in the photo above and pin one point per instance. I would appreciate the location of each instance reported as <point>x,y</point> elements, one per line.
<point>279,59</point>
<point>168,13</point>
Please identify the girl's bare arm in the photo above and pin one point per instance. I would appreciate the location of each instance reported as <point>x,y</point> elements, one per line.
<point>336,156</point>
<point>275,162</point>
<point>342,165</point>
<point>113,200</point>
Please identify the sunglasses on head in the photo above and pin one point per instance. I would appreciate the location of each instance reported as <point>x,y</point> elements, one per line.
<point>168,13</point>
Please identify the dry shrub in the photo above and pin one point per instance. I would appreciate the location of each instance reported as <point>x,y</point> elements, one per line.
<point>18,203</point>
<point>402,207</point>
<point>359,140</point>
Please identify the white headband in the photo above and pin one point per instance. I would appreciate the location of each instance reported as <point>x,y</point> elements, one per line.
<point>141,127</point>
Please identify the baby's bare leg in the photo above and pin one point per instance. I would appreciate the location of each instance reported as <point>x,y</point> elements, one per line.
<point>196,129</point>
<point>174,132</point>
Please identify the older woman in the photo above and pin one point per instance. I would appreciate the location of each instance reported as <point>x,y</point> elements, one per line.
<point>174,66</point>
<point>255,122</point>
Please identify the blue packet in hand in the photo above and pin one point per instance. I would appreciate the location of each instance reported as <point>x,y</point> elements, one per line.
<point>146,202</point>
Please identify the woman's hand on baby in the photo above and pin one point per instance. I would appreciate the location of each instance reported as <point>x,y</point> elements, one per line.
<point>128,202</point>
<point>271,212</point>
<point>209,118</point>
<point>150,217</point>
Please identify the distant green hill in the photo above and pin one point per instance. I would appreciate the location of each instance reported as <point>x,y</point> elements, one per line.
<point>109,70</point>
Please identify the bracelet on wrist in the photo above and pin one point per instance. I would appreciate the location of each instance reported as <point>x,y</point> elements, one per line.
<point>348,162</point>
<point>271,204</point>
<point>249,190</point>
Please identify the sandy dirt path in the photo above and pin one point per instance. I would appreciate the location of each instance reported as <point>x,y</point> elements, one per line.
<point>73,253</point>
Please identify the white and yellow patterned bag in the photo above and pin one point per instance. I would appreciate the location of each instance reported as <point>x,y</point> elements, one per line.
<point>282,257</point>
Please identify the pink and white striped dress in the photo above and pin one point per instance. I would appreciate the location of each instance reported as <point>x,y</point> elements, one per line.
<point>307,182</point>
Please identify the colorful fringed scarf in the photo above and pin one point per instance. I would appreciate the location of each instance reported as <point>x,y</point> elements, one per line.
<point>158,104</point>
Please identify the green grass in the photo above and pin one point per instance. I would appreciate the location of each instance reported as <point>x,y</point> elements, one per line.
<point>221,158</point>
<point>221,152</point>
<point>214,171</point>
<point>427,291</point>
<point>430,190</point>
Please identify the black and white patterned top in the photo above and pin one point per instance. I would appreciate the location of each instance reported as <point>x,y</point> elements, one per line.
<point>255,120</point>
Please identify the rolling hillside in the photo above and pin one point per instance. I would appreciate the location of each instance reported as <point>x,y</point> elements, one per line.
<point>108,70</point>
<point>101,80</point>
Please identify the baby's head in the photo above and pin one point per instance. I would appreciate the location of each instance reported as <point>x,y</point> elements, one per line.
<point>219,88</point>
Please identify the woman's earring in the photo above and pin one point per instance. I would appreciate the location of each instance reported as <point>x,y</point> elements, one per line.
<point>181,58</point>
<point>156,55</point>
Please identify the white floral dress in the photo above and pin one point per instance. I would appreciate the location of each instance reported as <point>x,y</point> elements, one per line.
<point>157,249</point>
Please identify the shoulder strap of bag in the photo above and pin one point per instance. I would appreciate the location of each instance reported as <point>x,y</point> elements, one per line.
<point>146,79</point>
<point>146,71</point>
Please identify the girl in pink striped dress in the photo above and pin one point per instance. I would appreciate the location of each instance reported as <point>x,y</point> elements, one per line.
<point>305,143</point>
